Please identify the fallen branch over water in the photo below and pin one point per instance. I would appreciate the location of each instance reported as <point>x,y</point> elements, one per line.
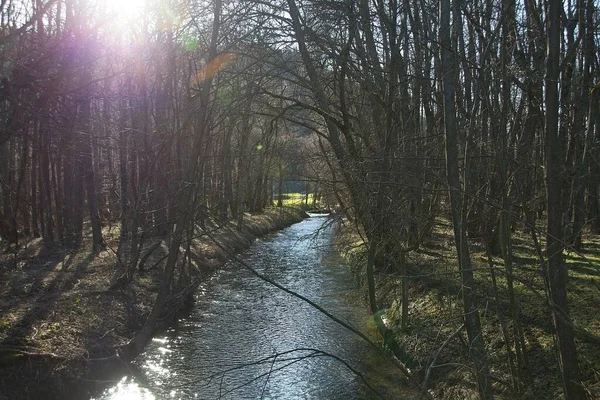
<point>273,359</point>
<point>349,327</point>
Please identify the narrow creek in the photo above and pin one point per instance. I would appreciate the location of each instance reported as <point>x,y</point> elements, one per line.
<point>246,339</point>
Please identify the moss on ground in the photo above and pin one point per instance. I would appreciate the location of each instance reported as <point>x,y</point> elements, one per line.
<point>435,312</point>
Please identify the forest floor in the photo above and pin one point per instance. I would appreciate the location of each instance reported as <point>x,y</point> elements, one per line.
<point>61,322</point>
<point>435,314</point>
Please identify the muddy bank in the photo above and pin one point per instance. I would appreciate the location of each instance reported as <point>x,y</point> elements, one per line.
<point>61,323</point>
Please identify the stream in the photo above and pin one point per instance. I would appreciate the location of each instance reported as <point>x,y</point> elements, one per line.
<point>246,339</point>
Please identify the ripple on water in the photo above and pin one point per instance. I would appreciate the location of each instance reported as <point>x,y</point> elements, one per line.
<point>243,339</point>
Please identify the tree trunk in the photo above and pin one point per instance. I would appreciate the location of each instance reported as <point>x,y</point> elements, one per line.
<point>370,275</point>
<point>471,312</point>
<point>88,167</point>
<point>185,200</point>
<point>557,269</point>
<point>404,272</point>
<point>45,187</point>
<point>123,177</point>
<point>34,189</point>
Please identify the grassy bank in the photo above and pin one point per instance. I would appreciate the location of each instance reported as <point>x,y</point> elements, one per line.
<point>306,202</point>
<point>435,347</point>
<point>61,323</point>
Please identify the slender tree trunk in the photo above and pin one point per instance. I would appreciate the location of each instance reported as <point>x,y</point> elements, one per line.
<point>87,157</point>
<point>280,184</point>
<point>92,200</point>
<point>34,189</point>
<point>23,221</point>
<point>185,199</point>
<point>123,173</point>
<point>593,196</point>
<point>370,275</point>
<point>586,108</point>
<point>45,187</point>
<point>7,219</point>
<point>404,272</point>
<point>471,312</point>
<point>557,269</point>
<point>57,184</point>
<point>67,187</point>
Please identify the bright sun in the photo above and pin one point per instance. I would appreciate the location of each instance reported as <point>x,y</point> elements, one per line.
<point>125,10</point>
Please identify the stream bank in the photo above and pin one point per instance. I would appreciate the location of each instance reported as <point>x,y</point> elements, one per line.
<point>434,345</point>
<point>248,339</point>
<point>60,323</point>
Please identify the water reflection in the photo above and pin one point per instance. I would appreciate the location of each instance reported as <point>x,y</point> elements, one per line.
<point>246,339</point>
<point>128,389</point>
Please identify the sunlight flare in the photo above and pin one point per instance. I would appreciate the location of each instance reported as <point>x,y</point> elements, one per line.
<point>125,10</point>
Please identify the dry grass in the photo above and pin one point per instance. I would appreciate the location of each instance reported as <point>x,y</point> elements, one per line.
<point>59,314</point>
<point>435,311</point>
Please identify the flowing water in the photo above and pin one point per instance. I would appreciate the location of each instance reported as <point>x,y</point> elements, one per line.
<point>246,339</point>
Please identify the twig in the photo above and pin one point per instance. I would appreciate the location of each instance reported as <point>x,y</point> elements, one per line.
<point>107,332</point>
<point>34,354</point>
<point>427,374</point>
<point>349,327</point>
